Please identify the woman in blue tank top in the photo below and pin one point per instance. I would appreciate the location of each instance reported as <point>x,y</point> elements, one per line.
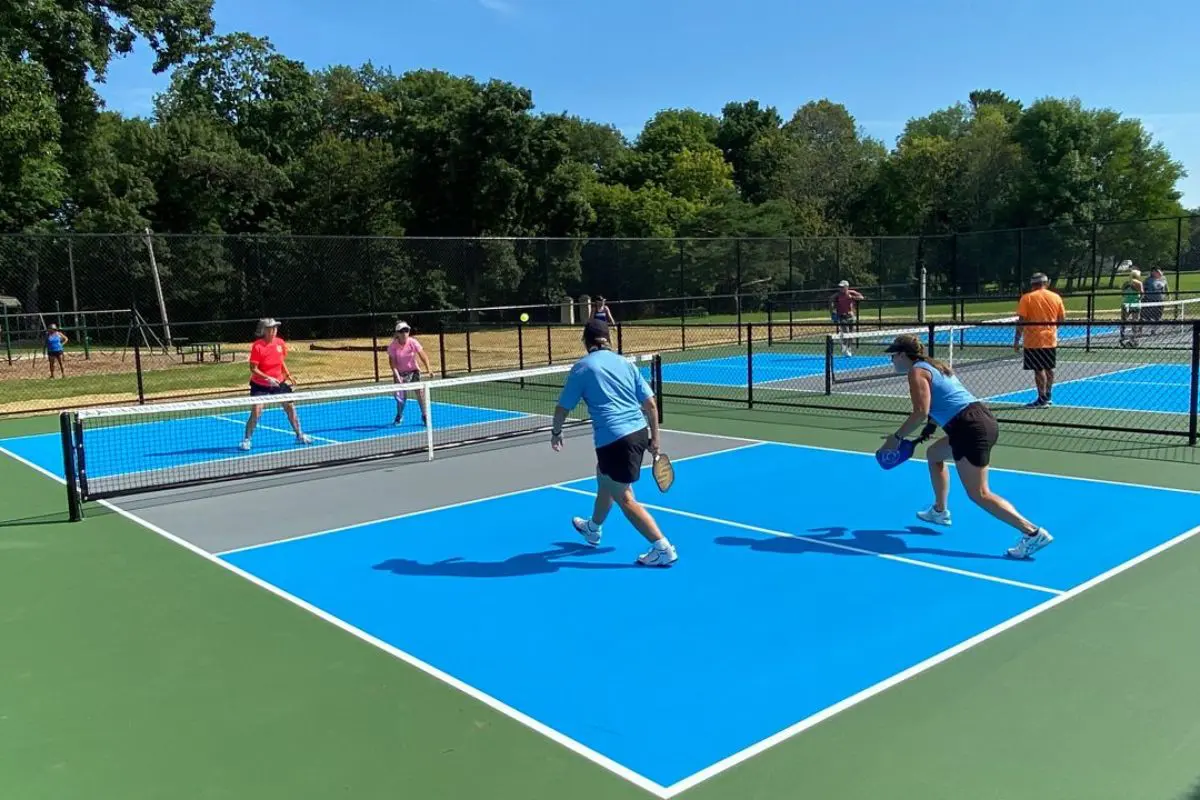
<point>971,432</point>
<point>602,312</point>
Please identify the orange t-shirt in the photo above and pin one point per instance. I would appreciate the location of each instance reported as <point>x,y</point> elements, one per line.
<point>268,358</point>
<point>1041,305</point>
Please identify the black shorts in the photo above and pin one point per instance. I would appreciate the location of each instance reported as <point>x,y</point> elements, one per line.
<point>408,377</point>
<point>973,433</point>
<point>257,389</point>
<point>1041,358</point>
<point>621,460</point>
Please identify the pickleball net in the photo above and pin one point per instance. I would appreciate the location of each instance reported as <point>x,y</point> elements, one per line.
<point>110,452</point>
<point>860,356</point>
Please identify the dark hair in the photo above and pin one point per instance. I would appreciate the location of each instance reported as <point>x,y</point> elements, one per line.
<point>911,346</point>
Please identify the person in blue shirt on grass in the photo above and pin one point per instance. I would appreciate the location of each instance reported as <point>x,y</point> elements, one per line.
<point>971,433</point>
<point>624,426</point>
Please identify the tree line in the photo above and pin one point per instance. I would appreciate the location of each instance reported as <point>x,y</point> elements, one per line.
<point>247,142</point>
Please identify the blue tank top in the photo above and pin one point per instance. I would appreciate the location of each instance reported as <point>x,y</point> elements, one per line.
<point>949,396</point>
<point>602,315</point>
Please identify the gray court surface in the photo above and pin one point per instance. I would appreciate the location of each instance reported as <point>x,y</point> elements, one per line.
<point>227,516</point>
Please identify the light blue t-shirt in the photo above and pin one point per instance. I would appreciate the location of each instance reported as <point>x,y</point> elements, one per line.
<point>54,342</point>
<point>613,390</point>
<point>949,396</point>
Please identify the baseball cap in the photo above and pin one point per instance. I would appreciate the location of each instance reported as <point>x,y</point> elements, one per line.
<point>595,329</point>
<point>1039,277</point>
<point>268,322</point>
<point>843,283</point>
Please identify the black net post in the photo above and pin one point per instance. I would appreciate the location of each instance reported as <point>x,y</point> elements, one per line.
<point>1195,387</point>
<point>657,372</point>
<point>829,365</point>
<point>137,367</point>
<point>521,348</point>
<point>67,432</point>
<point>442,346</point>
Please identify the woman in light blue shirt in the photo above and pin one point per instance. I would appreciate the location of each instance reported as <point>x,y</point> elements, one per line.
<point>971,433</point>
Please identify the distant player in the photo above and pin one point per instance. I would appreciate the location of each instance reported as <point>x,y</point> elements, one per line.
<point>407,359</point>
<point>971,432</point>
<point>624,426</point>
<point>841,309</point>
<point>1045,308</point>
<point>1131,307</point>
<point>603,312</point>
<point>269,375</point>
<point>56,342</point>
<point>1155,292</point>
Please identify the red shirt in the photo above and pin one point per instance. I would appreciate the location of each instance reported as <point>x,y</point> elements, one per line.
<point>844,303</point>
<point>268,358</point>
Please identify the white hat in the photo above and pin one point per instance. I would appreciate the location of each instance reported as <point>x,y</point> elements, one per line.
<point>402,326</point>
<point>843,283</point>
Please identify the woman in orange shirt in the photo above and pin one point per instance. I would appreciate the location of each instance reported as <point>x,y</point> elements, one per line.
<point>269,375</point>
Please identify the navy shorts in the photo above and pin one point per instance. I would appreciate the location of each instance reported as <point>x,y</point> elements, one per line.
<point>257,389</point>
<point>621,460</point>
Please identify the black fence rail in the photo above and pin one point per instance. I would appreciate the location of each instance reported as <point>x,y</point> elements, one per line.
<point>188,278</point>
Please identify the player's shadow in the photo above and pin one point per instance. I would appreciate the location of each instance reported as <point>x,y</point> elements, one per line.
<point>882,542</point>
<point>520,565</point>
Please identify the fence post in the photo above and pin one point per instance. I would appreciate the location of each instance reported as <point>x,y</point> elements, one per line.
<point>682,302</point>
<point>620,339</point>
<point>749,364</point>
<point>137,366</point>
<point>1178,252</point>
<point>442,345</point>
<point>521,349</point>
<point>657,366</point>
<point>828,364</point>
<point>1195,388</point>
<point>549,344</point>
<point>737,287</point>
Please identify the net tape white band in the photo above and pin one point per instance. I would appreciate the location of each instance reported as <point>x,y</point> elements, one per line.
<point>351,393</point>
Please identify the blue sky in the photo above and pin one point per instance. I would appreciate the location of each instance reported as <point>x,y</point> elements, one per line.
<point>620,61</point>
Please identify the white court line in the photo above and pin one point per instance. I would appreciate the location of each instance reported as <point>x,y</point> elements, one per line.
<point>493,703</point>
<point>460,504</point>
<point>918,462</point>
<point>787,733</point>
<point>833,545</point>
<point>290,432</point>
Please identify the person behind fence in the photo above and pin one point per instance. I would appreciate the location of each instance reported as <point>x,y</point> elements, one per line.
<point>1039,312</point>
<point>971,432</point>
<point>407,358</point>
<point>841,308</point>
<point>1155,291</point>
<point>269,375</point>
<point>56,341</point>
<point>624,426</point>
<point>603,312</point>
<point>1131,308</point>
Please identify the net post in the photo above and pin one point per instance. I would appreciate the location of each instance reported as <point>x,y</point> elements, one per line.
<point>137,367</point>
<point>933,339</point>
<point>829,364</point>
<point>375,346</point>
<point>620,339</point>
<point>66,430</point>
<point>549,344</point>
<point>749,364</point>
<point>1195,384</point>
<point>770,326</point>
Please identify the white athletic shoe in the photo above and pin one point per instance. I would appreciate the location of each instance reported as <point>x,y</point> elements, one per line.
<point>1028,545</point>
<point>584,528</point>
<point>659,557</point>
<point>245,445</point>
<point>935,517</point>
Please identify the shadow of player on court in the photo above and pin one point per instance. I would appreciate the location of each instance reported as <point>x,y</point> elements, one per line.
<point>542,563</point>
<point>882,542</point>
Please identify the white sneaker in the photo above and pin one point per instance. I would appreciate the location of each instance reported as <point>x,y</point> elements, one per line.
<point>659,557</point>
<point>1028,545</point>
<point>932,515</point>
<point>245,445</point>
<point>584,527</point>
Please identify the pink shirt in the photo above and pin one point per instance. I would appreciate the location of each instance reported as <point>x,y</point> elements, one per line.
<point>403,358</point>
<point>844,303</point>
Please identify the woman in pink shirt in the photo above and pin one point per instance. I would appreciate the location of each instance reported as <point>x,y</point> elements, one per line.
<point>407,359</point>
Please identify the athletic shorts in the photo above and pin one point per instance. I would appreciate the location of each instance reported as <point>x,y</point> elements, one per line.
<point>257,389</point>
<point>621,460</point>
<point>1041,358</point>
<point>973,433</point>
<point>408,377</point>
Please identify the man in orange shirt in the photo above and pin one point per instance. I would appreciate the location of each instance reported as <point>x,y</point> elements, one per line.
<point>269,375</point>
<point>1044,309</point>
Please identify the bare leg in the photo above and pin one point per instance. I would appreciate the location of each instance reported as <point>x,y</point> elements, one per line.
<point>974,480</point>
<point>290,408</point>
<point>255,413</point>
<point>635,512</point>
<point>937,455</point>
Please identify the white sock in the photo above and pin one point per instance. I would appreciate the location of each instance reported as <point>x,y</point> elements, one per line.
<point>662,544</point>
<point>593,526</point>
